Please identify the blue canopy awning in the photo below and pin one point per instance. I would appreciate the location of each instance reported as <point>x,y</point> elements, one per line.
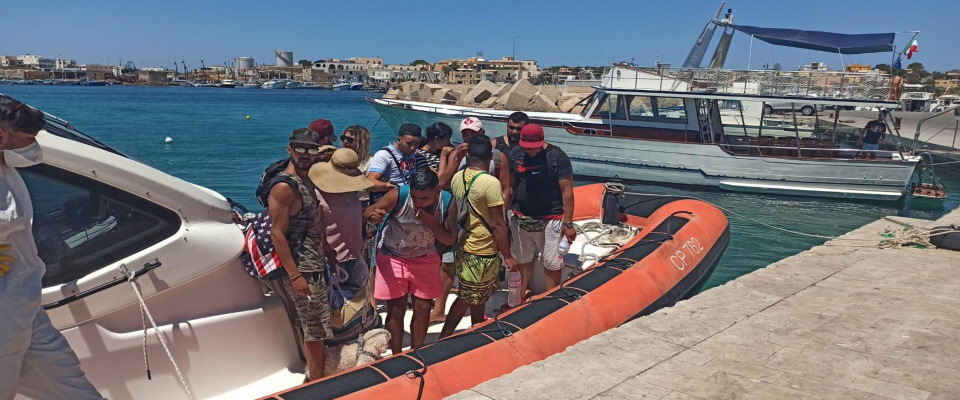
<point>822,41</point>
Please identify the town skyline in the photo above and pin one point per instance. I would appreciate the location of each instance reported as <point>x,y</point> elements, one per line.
<point>643,34</point>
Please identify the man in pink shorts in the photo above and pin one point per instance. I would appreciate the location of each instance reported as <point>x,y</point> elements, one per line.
<point>407,259</point>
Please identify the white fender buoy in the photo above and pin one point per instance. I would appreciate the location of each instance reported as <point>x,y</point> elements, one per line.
<point>168,140</point>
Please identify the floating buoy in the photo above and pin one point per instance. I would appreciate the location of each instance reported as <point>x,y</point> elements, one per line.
<point>248,117</point>
<point>168,140</point>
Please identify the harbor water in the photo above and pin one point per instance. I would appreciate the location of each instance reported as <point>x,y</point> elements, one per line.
<point>214,145</point>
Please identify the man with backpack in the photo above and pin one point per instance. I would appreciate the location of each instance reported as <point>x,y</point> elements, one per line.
<point>542,178</point>
<point>481,234</point>
<point>300,245</point>
<point>412,219</point>
<point>393,165</point>
<point>515,123</point>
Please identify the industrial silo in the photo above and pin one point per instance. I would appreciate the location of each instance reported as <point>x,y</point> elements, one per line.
<point>284,58</point>
<point>245,63</point>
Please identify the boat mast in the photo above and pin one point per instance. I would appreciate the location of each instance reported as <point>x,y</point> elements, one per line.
<point>695,58</point>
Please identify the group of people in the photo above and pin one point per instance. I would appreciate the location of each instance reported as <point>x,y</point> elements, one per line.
<point>409,221</point>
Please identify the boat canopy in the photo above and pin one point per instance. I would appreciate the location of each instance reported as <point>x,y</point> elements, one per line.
<point>822,41</point>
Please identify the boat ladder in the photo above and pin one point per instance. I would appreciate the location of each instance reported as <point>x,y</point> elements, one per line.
<point>933,187</point>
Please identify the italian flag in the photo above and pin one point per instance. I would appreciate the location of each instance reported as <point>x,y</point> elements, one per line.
<point>912,49</point>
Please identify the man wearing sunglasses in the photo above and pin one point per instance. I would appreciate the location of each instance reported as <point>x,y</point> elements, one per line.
<point>300,243</point>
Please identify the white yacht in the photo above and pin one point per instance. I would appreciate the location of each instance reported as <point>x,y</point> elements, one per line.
<point>98,212</point>
<point>274,84</point>
<point>706,127</point>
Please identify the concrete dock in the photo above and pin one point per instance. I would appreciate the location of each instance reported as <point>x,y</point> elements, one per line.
<point>843,320</point>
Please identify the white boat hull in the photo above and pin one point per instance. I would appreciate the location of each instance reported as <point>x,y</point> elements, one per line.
<point>683,163</point>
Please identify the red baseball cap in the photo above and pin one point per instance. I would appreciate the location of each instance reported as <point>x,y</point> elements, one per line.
<point>322,126</point>
<point>531,136</point>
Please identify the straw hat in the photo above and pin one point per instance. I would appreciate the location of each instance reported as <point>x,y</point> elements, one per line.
<point>341,174</point>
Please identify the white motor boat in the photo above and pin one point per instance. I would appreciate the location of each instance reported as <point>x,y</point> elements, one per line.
<point>706,127</point>
<point>274,84</point>
<point>98,213</point>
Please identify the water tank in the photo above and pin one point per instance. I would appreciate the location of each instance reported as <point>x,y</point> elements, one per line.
<point>245,63</point>
<point>284,58</point>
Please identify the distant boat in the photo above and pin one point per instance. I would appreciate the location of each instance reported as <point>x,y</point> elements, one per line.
<point>93,82</point>
<point>310,85</point>
<point>226,83</point>
<point>347,85</point>
<point>274,84</point>
<point>291,84</point>
<point>247,85</point>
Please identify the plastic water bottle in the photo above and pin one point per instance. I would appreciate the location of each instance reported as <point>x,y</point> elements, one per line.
<point>513,284</point>
<point>563,248</point>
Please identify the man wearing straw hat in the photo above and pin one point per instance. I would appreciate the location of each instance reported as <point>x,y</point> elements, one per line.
<point>338,182</point>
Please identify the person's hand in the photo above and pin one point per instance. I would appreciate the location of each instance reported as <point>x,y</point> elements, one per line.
<point>512,264</point>
<point>5,259</point>
<point>445,152</point>
<point>462,151</point>
<point>569,233</point>
<point>300,286</point>
<point>376,216</point>
<point>427,217</point>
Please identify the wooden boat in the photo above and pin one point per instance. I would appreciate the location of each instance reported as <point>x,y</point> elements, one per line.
<point>672,246</point>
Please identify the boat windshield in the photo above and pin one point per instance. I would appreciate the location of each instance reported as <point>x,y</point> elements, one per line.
<point>58,127</point>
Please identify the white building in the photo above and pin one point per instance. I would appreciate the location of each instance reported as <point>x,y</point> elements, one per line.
<point>38,62</point>
<point>61,64</point>
<point>400,73</point>
<point>343,69</point>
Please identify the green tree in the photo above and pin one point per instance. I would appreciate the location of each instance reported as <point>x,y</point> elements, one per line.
<point>419,62</point>
<point>882,68</point>
<point>455,65</point>
<point>305,63</point>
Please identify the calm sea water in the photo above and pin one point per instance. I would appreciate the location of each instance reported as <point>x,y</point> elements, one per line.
<point>215,146</point>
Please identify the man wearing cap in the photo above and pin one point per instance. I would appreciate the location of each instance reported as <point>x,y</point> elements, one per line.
<point>339,181</point>
<point>300,244</point>
<point>543,204</point>
<point>393,165</point>
<point>325,129</point>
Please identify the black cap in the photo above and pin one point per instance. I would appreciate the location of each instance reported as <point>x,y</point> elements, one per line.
<point>410,129</point>
<point>304,135</point>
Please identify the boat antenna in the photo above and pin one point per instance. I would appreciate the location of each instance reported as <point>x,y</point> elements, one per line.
<point>695,58</point>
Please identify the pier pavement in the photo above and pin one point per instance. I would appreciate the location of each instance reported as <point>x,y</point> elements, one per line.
<point>843,320</point>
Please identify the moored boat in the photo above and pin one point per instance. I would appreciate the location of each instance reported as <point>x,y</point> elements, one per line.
<point>622,266</point>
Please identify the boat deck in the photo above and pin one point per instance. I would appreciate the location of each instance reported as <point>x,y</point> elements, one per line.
<point>842,320</point>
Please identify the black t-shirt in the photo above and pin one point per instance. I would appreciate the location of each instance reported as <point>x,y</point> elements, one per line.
<point>537,181</point>
<point>875,131</point>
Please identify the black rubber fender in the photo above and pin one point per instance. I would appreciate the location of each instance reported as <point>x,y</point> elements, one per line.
<point>949,241</point>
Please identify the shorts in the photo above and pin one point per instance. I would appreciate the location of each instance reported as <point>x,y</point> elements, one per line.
<point>310,316</point>
<point>397,276</point>
<point>478,276</point>
<point>525,245</point>
<point>871,146</point>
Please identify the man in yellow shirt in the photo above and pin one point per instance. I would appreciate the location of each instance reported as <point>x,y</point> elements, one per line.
<point>480,235</point>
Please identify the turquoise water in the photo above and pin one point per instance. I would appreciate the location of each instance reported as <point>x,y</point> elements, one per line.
<point>215,146</point>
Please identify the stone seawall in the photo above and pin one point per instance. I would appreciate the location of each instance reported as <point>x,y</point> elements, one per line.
<point>519,96</point>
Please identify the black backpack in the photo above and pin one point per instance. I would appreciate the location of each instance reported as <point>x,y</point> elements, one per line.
<point>269,178</point>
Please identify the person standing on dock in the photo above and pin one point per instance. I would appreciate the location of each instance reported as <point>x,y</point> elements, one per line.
<point>482,233</point>
<point>871,137</point>
<point>542,178</point>
<point>412,219</point>
<point>299,239</point>
<point>515,123</point>
<point>35,359</point>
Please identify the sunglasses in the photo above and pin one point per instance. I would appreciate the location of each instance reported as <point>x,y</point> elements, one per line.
<point>347,139</point>
<point>306,150</point>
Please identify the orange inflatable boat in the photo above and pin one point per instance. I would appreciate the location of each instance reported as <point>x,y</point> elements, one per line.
<point>670,246</point>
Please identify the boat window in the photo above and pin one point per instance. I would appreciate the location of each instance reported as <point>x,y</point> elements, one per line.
<point>671,108</point>
<point>611,101</point>
<point>640,107</point>
<point>81,225</point>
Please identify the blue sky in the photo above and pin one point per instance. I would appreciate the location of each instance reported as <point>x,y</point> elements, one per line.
<point>558,32</point>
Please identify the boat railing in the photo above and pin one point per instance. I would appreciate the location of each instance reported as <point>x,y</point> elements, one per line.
<point>815,84</point>
<point>917,144</point>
